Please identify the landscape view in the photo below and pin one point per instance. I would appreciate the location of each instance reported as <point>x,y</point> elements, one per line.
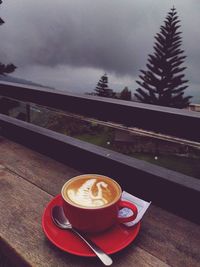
<point>70,46</point>
<point>141,51</point>
<point>99,133</point>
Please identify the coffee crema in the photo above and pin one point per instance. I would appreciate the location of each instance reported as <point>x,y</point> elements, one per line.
<point>91,191</point>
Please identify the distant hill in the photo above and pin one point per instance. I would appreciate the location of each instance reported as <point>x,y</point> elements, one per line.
<point>13,79</point>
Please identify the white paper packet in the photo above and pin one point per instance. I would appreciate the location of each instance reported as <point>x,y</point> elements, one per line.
<point>141,205</point>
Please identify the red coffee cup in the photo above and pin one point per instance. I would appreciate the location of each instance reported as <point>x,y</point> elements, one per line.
<point>91,203</point>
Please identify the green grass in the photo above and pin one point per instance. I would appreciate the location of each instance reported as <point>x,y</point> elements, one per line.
<point>99,140</point>
<point>185,165</point>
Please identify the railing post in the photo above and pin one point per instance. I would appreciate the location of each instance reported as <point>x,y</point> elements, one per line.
<point>28,113</point>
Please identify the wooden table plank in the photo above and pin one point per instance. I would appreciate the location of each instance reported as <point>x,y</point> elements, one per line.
<point>175,239</point>
<point>43,171</point>
<point>20,222</point>
<point>168,237</point>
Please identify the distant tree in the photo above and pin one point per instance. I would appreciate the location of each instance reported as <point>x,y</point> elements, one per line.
<point>163,83</point>
<point>1,21</point>
<point>5,68</point>
<point>102,88</point>
<point>125,94</point>
<point>6,104</point>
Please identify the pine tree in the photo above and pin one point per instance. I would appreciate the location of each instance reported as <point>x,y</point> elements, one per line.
<point>102,88</point>
<point>125,94</point>
<point>163,83</point>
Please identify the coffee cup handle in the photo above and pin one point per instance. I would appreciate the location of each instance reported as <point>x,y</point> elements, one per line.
<point>131,206</point>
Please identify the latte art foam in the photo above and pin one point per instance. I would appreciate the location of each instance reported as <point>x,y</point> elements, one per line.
<point>91,192</point>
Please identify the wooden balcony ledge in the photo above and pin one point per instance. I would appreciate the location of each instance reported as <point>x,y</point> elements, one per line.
<point>29,180</point>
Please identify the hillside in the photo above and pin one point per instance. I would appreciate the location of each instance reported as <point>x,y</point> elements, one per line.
<point>10,78</point>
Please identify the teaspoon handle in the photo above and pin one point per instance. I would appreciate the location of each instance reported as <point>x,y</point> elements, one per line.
<point>100,254</point>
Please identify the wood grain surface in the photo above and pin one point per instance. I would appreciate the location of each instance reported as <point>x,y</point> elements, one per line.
<point>164,239</point>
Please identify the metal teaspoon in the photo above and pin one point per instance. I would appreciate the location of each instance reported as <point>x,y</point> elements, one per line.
<point>62,222</point>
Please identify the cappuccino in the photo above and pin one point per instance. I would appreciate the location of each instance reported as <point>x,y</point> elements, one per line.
<point>91,191</point>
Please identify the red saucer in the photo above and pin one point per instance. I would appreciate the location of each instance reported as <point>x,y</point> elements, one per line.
<point>111,241</point>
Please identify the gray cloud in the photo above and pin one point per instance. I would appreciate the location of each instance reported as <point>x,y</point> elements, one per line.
<point>114,36</point>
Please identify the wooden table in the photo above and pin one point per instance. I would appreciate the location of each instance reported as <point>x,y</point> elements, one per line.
<point>29,180</point>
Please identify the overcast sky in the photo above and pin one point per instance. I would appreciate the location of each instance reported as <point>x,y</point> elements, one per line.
<point>69,44</point>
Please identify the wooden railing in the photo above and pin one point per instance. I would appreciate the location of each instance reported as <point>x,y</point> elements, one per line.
<point>174,191</point>
<point>175,122</point>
